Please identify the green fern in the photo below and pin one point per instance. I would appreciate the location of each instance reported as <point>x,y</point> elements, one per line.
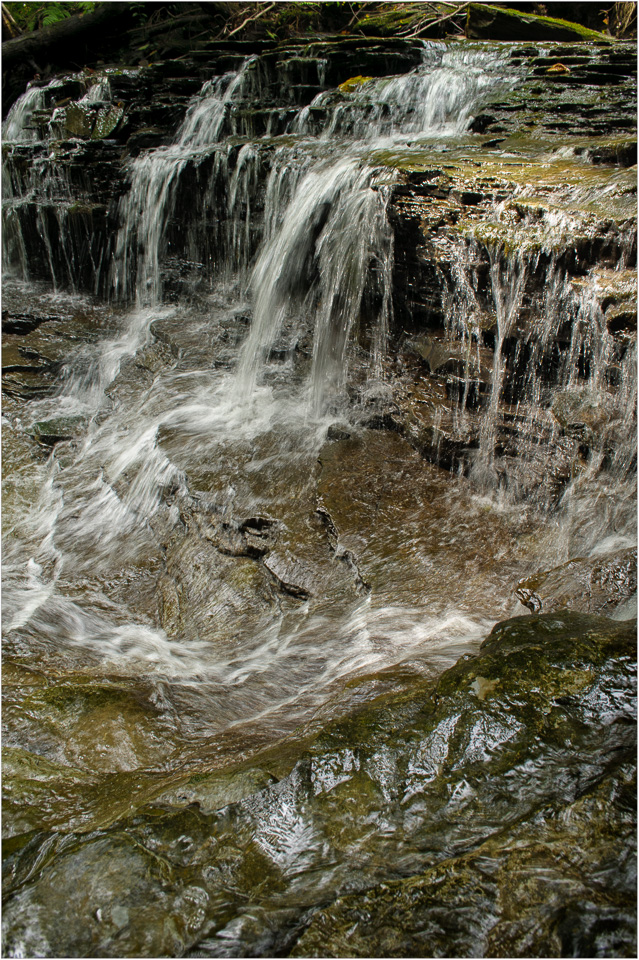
<point>33,16</point>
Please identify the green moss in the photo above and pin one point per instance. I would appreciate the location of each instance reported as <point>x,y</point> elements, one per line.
<point>504,23</point>
<point>578,28</point>
<point>84,209</point>
<point>353,84</point>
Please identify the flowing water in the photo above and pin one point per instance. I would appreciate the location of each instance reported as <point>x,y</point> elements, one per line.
<point>222,531</point>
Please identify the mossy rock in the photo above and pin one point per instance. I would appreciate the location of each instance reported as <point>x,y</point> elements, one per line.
<point>485,22</point>
<point>106,121</point>
<point>517,895</point>
<point>78,120</point>
<point>50,432</point>
<point>354,83</point>
<point>88,123</point>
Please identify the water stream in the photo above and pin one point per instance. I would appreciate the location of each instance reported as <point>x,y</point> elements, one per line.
<point>222,530</point>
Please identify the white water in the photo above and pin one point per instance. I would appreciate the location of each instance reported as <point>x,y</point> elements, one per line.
<point>148,205</point>
<point>18,126</point>
<point>241,439</point>
<point>324,223</point>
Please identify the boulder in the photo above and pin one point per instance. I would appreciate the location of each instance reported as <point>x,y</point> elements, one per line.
<point>488,813</point>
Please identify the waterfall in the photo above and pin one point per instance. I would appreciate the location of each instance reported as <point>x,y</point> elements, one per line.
<point>144,212</point>
<point>560,384</point>
<point>317,262</point>
<point>41,205</point>
<point>18,126</point>
<point>508,278</point>
<point>301,387</point>
<point>323,228</point>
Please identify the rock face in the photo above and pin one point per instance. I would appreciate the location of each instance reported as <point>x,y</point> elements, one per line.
<point>479,241</point>
<point>502,794</point>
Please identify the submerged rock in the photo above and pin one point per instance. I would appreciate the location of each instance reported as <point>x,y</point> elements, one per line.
<point>50,432</point>
<point>598,585</point>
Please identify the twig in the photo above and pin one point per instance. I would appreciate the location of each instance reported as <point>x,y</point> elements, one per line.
<point>358,13</point>
<point>434,23</point>
<point>11,25</point>
<point>251,19</point>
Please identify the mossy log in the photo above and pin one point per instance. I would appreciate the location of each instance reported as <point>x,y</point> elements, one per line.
<point>485,22</point>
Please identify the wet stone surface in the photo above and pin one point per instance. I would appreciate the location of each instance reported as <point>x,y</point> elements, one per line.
<point>473,790</point>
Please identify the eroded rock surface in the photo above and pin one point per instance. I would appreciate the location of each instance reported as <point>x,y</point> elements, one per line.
<point>504,790</point>
<point>601,585</point>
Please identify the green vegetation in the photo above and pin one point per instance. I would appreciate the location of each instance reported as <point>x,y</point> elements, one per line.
<point>34,16</point>
<point>283,20</point>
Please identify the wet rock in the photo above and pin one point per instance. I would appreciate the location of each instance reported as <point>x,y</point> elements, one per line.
<point>208,592</point>
<point>502,793</point>
<point>56,773</point>
<point>292,575</point>
<point>535,915</point>
<point>465,368</point>
<point>429,421</point>
<point>622,152</point>
<point>21,323</point>
<point>600,585</point>
<point>337,432</point>
<point>388,515</point>
<point>50,432</point>
<point>619,302</point>
<point>29,381</point>
<point>215,790</point>
<point>582,414</point>
<point>253,537</point>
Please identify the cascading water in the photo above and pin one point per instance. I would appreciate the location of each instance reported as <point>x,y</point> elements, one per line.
<point>18,126</point>
<point>334,228</point>
<point>230,541</point>
<point>549,376</point>
<point>319,289</point>
<point>145,210</point>
<point>323,272</point>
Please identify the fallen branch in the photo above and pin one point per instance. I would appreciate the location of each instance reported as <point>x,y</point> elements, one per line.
<point>356,14</point>
<point>251,19</point>
<point>433,23</point>
<point>61,37</point>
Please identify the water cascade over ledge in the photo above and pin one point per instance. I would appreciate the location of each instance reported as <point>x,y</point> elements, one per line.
<point>310,379</point>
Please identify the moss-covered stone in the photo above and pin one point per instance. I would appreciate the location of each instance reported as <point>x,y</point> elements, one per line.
<point>522,894</point>
<point>58,429</point>
<point>354,83</point>
<point>485,22</point>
